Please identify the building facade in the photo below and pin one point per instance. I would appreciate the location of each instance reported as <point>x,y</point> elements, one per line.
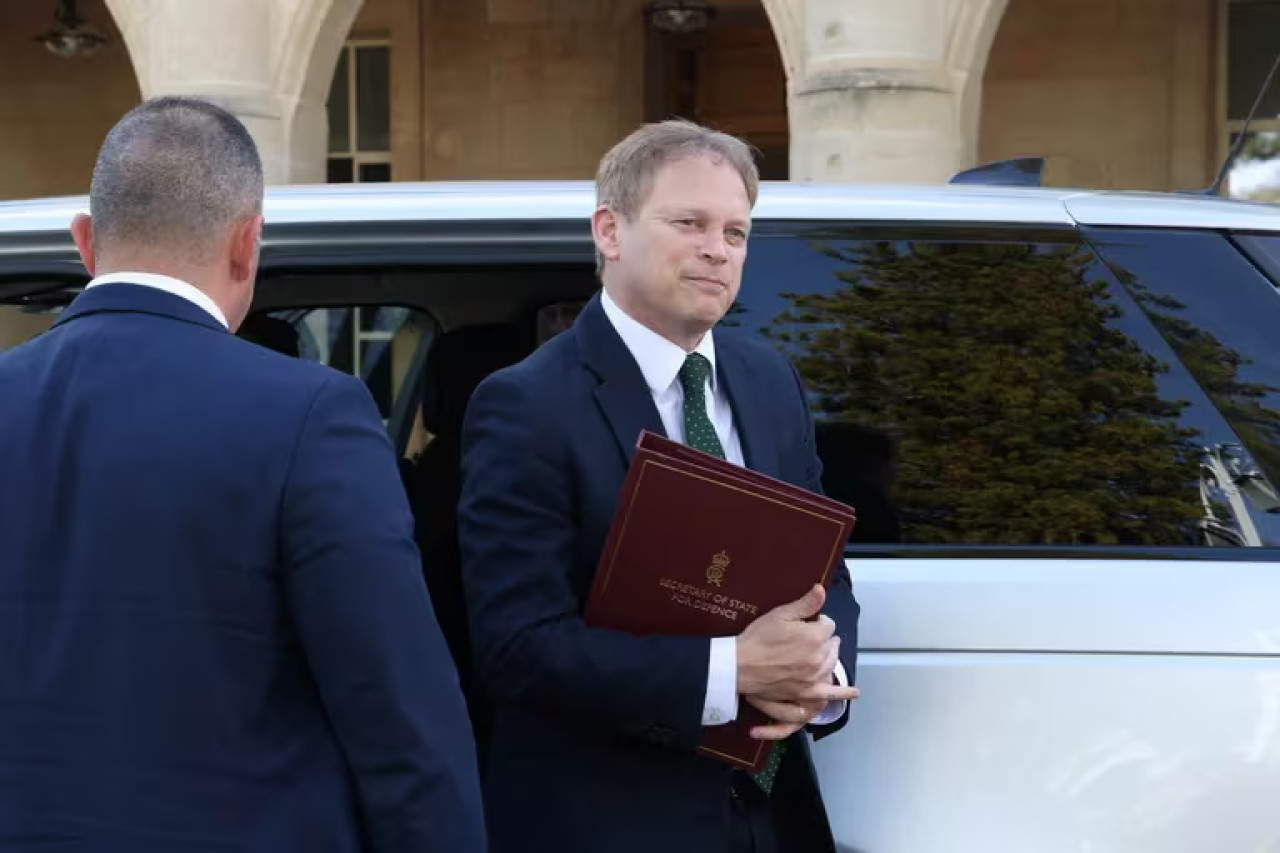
<point>1125,94</point>
<point>1116,93</point>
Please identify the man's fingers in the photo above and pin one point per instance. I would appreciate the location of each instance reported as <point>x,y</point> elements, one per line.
<point>829,662</point>
<point>791,716</point>
<point>794,692</point>
<point>784,712</point>
<point>807,693</point>
<point>806,607</point>
<point>827,693</point>
<point>777,731</point>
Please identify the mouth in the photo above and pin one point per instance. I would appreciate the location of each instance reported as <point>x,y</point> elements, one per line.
<point>707,282</point>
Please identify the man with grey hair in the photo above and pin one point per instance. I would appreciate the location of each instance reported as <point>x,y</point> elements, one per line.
<point>214,632</point>
<point>595,732</point>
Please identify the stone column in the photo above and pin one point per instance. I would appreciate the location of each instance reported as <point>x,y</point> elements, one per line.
<point>884,91</point>
<point>269,61</point>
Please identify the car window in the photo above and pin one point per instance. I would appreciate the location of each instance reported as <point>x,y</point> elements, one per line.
<point>383,345</point>
<point>422,336</point>
<point>1264,251</point>
<point>1219,314</point>
<point>990,389</point>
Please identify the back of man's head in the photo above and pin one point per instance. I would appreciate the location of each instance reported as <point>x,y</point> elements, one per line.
<point>177,191</point>
<point>175,174</point>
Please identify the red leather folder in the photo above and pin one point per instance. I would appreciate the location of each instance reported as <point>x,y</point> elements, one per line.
<point>702,547</point>
<point>667,447</point>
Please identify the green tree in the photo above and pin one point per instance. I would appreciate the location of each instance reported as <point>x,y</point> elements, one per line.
<point>1021,416</point>
<point>1260,145</point>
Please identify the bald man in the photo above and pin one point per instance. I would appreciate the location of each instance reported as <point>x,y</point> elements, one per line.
<point>214,632</point>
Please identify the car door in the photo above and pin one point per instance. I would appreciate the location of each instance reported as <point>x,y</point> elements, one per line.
<point>1069,628</point>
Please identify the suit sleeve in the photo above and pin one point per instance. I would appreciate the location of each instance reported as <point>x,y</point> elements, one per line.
<point>518,532</point>
<point>841,605</point>
<point>358,600</point>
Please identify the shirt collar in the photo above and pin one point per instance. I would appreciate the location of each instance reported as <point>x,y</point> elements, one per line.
<point>659,359</point>
<point>177,287</point>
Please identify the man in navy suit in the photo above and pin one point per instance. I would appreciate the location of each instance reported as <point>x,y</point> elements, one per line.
<point>594,732</point>
<point>214,633</point>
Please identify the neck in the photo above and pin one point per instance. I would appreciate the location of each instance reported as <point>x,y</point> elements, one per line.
<point>196,276</point>
<point>687,339</point>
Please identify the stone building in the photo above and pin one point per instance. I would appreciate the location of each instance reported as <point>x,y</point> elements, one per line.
<point>1116,93</point>
<point>1127,94</point>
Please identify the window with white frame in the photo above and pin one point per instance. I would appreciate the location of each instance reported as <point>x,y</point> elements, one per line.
<point>1251,49</point>
<point>360,114</point>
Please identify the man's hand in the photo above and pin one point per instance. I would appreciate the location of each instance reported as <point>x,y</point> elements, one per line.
<point>785,657</point>
<point>788,717</point>
<point>419,438</point>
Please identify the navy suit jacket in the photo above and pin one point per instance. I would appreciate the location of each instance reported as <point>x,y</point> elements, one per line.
<point>593,731</point>
<point>214,632</point>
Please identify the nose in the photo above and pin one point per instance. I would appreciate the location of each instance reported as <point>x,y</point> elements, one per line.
<point>714,249</point>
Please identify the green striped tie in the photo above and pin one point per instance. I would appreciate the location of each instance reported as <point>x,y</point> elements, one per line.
<point>701,435</point>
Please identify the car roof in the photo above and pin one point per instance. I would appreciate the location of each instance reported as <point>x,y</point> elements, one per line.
<point>301,205</point>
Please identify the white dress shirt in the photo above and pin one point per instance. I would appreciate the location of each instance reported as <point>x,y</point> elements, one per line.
<point>177,287</point>
<point>660,361</point>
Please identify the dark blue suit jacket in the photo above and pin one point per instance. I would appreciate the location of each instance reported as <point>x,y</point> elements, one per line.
<point>214,632</point>
<point>594,731</point>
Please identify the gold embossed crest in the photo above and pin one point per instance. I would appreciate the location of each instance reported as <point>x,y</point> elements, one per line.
<point>715,572</point>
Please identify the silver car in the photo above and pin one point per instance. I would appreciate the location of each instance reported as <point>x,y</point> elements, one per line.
<point>1057,412</point>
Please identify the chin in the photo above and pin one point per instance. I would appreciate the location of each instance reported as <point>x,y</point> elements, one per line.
<point>703,320</point>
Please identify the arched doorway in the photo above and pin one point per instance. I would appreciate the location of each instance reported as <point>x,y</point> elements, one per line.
<point>1115,94</point>
<point>55,109</point>
<point>728,75</point>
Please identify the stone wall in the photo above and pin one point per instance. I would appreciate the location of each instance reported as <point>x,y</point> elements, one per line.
<point>509,89</point>
<point>55,112</point>
<point>1116,93</point>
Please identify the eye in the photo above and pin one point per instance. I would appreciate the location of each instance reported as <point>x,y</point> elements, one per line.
<point>737,235</point>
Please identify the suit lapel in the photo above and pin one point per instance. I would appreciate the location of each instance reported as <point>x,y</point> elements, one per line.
<point>623,395</point>
<point>627,404</point>
<point>750,405</point>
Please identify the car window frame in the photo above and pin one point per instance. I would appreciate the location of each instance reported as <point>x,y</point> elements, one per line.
<point>923,231</point>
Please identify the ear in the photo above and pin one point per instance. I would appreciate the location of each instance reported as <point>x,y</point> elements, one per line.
<point>604,230</point>
<point>82,234</point>
<point>244,250</point>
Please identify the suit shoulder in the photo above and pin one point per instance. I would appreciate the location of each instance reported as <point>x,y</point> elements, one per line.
<point>262,366</point>
<point>544,369</point>
<point>754,350</point>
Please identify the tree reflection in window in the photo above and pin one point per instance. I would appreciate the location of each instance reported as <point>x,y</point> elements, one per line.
<point>1020,413</point>
<point>1217,315</point>
<point>1216,367</point>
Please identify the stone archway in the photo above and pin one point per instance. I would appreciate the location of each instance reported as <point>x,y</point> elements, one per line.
<point>728,76</point>
<point>882,91</point>
<point>269,61</point>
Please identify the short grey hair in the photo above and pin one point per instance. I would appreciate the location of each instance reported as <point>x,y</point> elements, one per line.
<point>626,171</point>
<point>175,173</point>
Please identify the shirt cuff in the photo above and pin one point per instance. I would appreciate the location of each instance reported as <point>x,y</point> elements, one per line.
<point>721,703</point>
<point>834,710</point>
